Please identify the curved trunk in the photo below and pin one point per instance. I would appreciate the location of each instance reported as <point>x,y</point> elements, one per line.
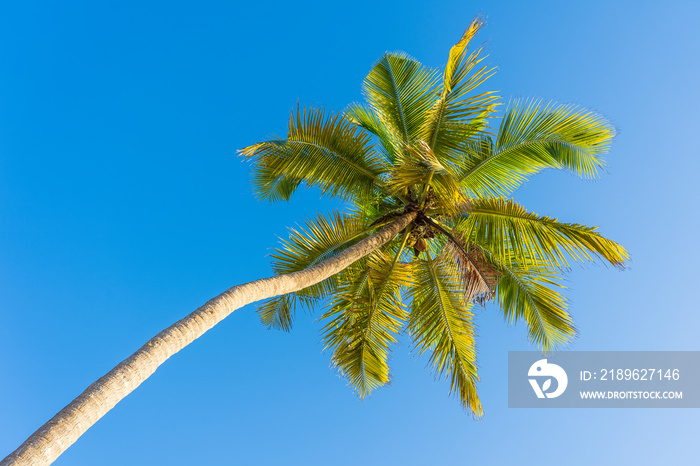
<point>54,437</point>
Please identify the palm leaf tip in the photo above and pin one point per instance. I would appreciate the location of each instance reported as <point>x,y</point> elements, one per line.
<point>458,50</point>
<point>276,313</point>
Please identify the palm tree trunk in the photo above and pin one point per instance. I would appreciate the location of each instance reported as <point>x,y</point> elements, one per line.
<point>54,437</point>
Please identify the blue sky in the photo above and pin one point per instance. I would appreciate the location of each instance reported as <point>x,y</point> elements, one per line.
<point>123,207</point>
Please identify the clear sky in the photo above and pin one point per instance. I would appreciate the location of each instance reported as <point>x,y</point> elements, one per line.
<point>123,207</point>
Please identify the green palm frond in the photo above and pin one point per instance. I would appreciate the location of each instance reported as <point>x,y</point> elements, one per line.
<point>390,143</point>
<point>528,293</point>
<point>278,312</point>
<point>365,316</point>
<point>532,137</point>
<point>441,324</point>
<point>400,92</point>
<point>383,206</point>
<point>319,239</point>
<point>503,225</point>
<point>320,150</point>
<point>273,187</point>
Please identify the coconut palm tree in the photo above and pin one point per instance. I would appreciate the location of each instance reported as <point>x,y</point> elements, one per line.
<point>428,232</point>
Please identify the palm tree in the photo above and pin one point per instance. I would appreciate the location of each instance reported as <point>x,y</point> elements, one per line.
<point>428,232</point>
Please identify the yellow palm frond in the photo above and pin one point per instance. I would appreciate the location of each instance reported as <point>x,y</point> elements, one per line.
<point>457,53</point>
<point>441,324</point>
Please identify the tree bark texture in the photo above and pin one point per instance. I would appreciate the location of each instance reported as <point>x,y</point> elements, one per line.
<point>54,437</point>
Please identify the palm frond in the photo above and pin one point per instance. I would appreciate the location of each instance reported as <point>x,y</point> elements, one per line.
<point>454,124</point>
<point>364,319</point>
<point>319,239</point>
<point>400,91</point>
<point>390,145</point>
<point>320,150</point>
<point>457,53</point>
<point>272,186</point>
<point>532,137</point>
<point>459,117</point>
<point>503,225</point>
<point>441,324</point>
<point>477,276</point>
<point>278,312</point>
<point>528,293</point>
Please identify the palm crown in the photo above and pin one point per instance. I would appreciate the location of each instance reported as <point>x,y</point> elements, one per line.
<point>422,143</point>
